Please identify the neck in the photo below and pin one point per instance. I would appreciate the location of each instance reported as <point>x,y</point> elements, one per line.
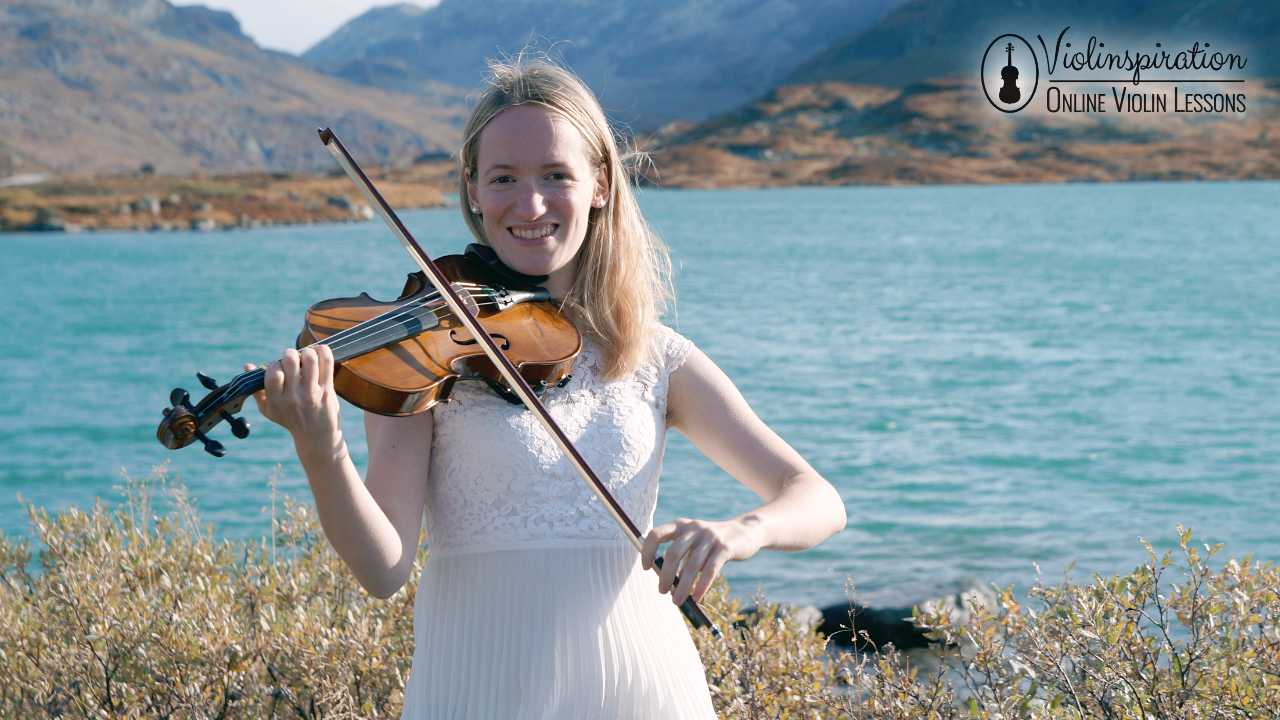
<point>560,281</point>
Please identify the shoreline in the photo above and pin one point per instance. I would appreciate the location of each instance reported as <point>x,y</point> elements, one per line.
<point>145,202</point>
<point>207,203</point>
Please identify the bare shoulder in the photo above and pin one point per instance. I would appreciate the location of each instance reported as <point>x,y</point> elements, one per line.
<point>696,381</point>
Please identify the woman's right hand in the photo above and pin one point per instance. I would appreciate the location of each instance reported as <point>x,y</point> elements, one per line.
<point>298,395</point>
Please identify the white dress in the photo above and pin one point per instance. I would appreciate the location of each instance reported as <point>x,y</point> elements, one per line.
<point>532,603</point>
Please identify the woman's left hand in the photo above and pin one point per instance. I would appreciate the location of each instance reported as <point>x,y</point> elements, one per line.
<point>699,549</point>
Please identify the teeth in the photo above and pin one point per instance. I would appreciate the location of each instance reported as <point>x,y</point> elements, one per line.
<point>535,233</point>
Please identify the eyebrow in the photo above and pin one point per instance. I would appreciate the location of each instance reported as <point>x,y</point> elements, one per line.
<point>504,166</point>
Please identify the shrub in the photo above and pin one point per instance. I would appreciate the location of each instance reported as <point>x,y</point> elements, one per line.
<point>140,615</point>
<point>1204,644</point>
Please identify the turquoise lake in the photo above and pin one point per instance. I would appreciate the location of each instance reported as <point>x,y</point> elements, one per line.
<point>992,376</point>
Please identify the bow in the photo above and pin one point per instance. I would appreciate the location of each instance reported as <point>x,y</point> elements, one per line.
<point>509,372</point>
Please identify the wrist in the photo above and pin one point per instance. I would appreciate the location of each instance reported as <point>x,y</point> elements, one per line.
<point>756,529</point>
<point>315,452</point>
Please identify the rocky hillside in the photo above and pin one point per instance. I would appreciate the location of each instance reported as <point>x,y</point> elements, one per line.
<point>649,62</point>
<point>943,131</point>
<point>93,86</point>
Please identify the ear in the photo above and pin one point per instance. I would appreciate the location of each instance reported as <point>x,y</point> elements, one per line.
<point>601,195</point>
<point>471,195</point>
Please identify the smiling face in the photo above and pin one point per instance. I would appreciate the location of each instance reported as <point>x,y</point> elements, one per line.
<point>535,185</point>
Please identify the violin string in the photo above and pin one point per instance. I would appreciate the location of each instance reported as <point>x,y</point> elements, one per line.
<point>389,333</point>
<point>395,314</point>
<point>362,332</point>
<point>346,337</point>
<point>371,333</point>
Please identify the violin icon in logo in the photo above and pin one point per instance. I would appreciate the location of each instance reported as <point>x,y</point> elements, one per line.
<point>1003,90</point>
<point>1009,92</point>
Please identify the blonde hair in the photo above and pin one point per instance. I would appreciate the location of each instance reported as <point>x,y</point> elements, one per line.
<point>623,281</point>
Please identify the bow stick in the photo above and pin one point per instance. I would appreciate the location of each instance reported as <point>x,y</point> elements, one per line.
<point>509,372</point>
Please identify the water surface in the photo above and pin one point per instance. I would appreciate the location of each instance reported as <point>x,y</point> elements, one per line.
<point>991,376</point>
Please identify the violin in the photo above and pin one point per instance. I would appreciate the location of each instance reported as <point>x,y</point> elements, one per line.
<point>404,356</point>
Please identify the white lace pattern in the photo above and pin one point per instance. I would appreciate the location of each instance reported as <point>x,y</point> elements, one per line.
<point>499,481</point>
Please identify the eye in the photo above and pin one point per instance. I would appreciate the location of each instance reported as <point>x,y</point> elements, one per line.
<point>501,179</point>
<point>559,176</point>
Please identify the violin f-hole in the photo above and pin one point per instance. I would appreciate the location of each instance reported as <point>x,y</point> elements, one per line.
<point>506,344</point>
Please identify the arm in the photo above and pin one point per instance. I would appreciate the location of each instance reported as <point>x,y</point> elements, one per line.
<point>374,523</point>
<point>801,508</point>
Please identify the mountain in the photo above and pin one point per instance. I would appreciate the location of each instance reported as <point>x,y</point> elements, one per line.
<point>924,39</point>
<point>194,23</point>
<point>943,131</point>
<point>649,62</point>
<point>93,86</point>
<point>345,51</point>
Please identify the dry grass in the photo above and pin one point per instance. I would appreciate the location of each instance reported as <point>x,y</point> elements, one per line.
<point>138,613</point>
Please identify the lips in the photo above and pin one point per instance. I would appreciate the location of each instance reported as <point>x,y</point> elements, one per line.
<point>533,232</point>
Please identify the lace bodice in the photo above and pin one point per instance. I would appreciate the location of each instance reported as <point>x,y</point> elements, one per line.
<point>498,480</point>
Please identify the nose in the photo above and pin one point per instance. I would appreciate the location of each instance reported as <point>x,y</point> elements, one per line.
<point>531,204</point>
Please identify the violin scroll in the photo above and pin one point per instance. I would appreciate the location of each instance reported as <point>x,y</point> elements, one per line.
<point>185,423</point>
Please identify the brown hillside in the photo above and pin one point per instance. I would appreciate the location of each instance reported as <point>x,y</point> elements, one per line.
<point>944,131</point>
<point>91,91</point>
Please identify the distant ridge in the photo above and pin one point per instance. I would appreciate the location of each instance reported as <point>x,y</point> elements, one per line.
<point>930,38</point>
<point>193,23</point>
<point>942,131</point>
<point>648,62</point>
<point>372,27</point>
<point>93,86</point>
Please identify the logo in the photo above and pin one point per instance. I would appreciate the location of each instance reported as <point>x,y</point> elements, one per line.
<point>1194,77</point>
<point>1010,73</point>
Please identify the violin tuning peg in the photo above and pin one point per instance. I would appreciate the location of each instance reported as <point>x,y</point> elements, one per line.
<point>208,382</point>
<point>213,447</point>
<point>239,427</point>
<point>179,398</point>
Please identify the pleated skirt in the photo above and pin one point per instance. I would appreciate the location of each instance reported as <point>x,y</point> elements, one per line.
<point>553,632</point>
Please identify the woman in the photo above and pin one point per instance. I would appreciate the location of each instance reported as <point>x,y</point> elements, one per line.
<point>532,603</point>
